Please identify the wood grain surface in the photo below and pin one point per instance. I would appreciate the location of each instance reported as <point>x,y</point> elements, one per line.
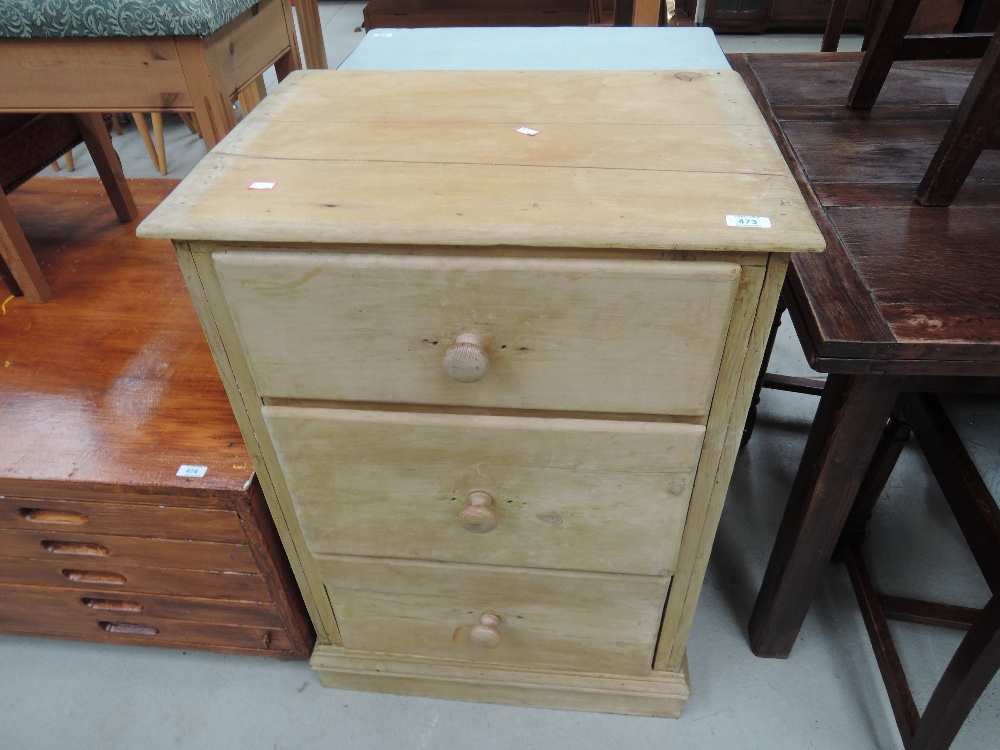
<point>112,382</point>
<point>901,288</point>
<point>617,145</point>
<point>580,621</point>
<point>560,334</point>
<point>105,392</point>
<point>571,494</point>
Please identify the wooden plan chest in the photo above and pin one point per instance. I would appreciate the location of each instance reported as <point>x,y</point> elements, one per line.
<point>491,338</point>
<point>106,392</point>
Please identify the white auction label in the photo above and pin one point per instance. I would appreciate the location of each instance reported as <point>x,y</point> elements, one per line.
<point>739,220</point>
<point>192,471</point>
<point>261,185</point>
<point>527,131</point>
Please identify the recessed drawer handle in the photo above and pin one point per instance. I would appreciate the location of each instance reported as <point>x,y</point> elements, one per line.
<point>487,633</point>
<point>95,576</point>
<point>76,548</point>
<point>128,628</point>
<point>65,517</point>
<point>479,516</point>
<point>466,360</point>
<point>111,605</point>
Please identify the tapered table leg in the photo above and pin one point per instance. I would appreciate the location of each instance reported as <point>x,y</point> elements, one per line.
<point>849,424</point>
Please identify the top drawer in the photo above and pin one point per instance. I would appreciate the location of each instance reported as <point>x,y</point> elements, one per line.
<point>641,337</point>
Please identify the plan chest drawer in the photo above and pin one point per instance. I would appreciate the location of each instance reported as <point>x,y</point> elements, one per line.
<point>494,385</point>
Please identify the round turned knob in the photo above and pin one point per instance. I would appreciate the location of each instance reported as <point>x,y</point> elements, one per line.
<point>487,633</point>
<point>466,360</point>
<point>479,516</point>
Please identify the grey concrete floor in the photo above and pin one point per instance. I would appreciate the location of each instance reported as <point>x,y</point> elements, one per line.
<point>827,695</point>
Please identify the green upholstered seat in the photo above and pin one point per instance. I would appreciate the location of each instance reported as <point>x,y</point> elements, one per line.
<point>110,18</point>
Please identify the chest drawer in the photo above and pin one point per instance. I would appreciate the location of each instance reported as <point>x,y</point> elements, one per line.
<point>621,336</point>
<point>80,549</point>
<point>597,495</point>
<point>581,621</point>
<point>144,620</point>
<point>49,606</point>
<point>163,522</point>
<point>101,575</point>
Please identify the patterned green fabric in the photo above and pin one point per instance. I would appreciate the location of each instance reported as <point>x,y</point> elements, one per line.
<point>104,18</point>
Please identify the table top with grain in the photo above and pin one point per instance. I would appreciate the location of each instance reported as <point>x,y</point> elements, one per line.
<point>641,160</point>
<point>902,288</point>
<point>110,386</point>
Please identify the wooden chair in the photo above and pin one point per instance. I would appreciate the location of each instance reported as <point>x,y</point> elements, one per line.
<point>975,126</point>
<point>28,144</point>
<point>960,437</point>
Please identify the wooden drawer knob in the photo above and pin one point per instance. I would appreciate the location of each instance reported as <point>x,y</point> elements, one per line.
<point>466,360</point>
<point>479,515</point>
<point>487,633</point>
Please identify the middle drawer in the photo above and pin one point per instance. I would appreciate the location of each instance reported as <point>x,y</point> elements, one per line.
<point>593,495</point>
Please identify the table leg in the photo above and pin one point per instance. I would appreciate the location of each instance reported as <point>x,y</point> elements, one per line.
<point>848,426</point>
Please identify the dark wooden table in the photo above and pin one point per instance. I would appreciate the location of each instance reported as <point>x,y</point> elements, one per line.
<point>904,298</point>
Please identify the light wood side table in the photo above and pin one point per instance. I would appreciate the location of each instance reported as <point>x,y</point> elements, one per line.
<point>491,339</point>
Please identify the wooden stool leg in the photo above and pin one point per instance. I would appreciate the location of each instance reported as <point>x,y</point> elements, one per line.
<point>290,61</point>
<point>887,452</point>
<point>311,29</point>
<point>252,95</point>
<point>973,128</point>
<point>189,121</point>
<point>17,255</point>
<point>970,499</point>
<point>892,26</point>
<point>904,709</point>
<point>161,149</point>
<point>212,106</point>
<point>108,165</point>
<point>140,125</point>
<point>70,164</point>
<point>971,669</point>
<point>768,348</point>
<point>834,26</point>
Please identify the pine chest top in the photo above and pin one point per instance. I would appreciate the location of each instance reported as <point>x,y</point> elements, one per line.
<point>645,160</point>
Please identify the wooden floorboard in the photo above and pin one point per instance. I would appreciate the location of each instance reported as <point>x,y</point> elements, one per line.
<point>111,382</point>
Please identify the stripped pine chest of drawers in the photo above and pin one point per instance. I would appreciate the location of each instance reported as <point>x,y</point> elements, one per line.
<point>491,338</point>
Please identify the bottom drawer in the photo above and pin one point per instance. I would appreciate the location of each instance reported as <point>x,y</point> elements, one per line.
<point>140,619</point>
<point>99,575</point>
<point>582,621</point>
